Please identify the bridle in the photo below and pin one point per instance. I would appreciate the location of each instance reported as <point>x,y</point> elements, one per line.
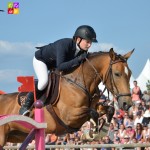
<point>110,74</point>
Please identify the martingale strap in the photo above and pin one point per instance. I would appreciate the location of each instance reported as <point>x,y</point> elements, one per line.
<point>68,129</point>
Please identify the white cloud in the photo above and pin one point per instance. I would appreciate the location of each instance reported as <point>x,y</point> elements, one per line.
<point>17,48</point>
<point>10,75</point>
<point>106,47</point>
<point>27,48</point>
<point>8,79</point>
<point>102,47</point>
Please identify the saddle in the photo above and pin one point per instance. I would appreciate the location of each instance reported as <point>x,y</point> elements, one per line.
<point>50,95</point>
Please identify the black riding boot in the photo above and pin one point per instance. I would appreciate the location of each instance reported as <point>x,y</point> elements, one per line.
<point>30,100</point>
<point>28,103</point>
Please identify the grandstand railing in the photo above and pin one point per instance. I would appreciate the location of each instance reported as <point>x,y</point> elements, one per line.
<point>117,146</point>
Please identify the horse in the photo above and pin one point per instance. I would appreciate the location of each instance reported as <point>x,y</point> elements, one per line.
<point>76,97</point>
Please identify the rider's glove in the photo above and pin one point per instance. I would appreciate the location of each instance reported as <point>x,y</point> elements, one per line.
<point>82,57</point>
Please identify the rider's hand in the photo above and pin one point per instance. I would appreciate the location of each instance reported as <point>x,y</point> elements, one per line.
<point>82,57</point>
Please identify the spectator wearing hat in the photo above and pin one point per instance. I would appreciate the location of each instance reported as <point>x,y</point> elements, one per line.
<point>146,117</point>
<point>130,131</point>
<point>127,140</point>
<point>139,118</point>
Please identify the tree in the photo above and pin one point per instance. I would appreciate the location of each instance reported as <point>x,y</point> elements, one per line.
<point>148,85</point>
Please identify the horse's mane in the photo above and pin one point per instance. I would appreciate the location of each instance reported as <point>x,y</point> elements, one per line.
<point>118,56</point>
<point>97,53</point>
<point>93,54</point>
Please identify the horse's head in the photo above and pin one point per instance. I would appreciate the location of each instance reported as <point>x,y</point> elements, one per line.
<point>117,79</point>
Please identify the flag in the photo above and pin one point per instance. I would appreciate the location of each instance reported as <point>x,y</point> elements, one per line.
<point>27,83</point>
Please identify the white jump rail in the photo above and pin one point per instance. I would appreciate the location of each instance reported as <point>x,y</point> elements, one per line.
<point>22,119</point>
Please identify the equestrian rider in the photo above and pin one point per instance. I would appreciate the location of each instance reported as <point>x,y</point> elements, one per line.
<point>64,54</point>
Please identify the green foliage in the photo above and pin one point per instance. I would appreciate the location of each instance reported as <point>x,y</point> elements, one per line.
<point>148,85</point>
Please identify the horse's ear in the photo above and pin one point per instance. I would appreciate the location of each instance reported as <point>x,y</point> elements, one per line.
<point>112,54</point>
<point>126,56</point>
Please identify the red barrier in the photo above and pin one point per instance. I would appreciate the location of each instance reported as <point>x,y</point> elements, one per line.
<point>2,92</point>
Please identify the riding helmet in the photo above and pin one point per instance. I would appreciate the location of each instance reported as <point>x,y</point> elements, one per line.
<point>86,32</point>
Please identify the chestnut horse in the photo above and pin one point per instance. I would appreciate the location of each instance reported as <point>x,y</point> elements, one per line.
<point>76,91</point>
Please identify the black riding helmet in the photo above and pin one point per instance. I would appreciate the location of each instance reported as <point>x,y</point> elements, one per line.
<point>85,32</point>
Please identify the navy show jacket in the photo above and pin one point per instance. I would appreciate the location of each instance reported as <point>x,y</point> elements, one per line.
<point>60,54</point>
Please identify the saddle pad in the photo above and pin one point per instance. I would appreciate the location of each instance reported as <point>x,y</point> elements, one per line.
<point>22,96</point>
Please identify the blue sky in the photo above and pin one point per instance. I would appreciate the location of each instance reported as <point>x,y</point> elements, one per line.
<point>123,25</point>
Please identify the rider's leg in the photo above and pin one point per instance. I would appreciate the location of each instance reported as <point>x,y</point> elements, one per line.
<point>42,75</point>
<point>41,72</point>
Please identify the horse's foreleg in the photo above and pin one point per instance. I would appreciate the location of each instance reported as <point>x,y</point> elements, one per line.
<point>94,115</point>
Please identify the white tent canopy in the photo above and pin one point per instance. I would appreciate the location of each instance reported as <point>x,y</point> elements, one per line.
<point>144,76</point>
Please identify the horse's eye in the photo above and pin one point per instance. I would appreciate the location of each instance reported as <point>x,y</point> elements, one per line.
<point>117,74</point>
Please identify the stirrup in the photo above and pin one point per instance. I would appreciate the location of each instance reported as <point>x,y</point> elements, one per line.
<point>26,112</point>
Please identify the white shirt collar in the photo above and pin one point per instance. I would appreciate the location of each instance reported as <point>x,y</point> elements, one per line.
<point>77,49</point>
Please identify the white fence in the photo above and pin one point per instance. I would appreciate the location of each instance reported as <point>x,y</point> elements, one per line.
<point>116,146</point>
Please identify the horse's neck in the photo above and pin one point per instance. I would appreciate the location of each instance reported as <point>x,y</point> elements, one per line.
<point>95,76</point>
<point>87,76</point>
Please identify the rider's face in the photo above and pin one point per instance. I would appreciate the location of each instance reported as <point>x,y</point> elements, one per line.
<point>84,44</point>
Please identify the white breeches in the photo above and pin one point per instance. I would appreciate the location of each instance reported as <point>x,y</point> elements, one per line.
<point>41,72</point>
